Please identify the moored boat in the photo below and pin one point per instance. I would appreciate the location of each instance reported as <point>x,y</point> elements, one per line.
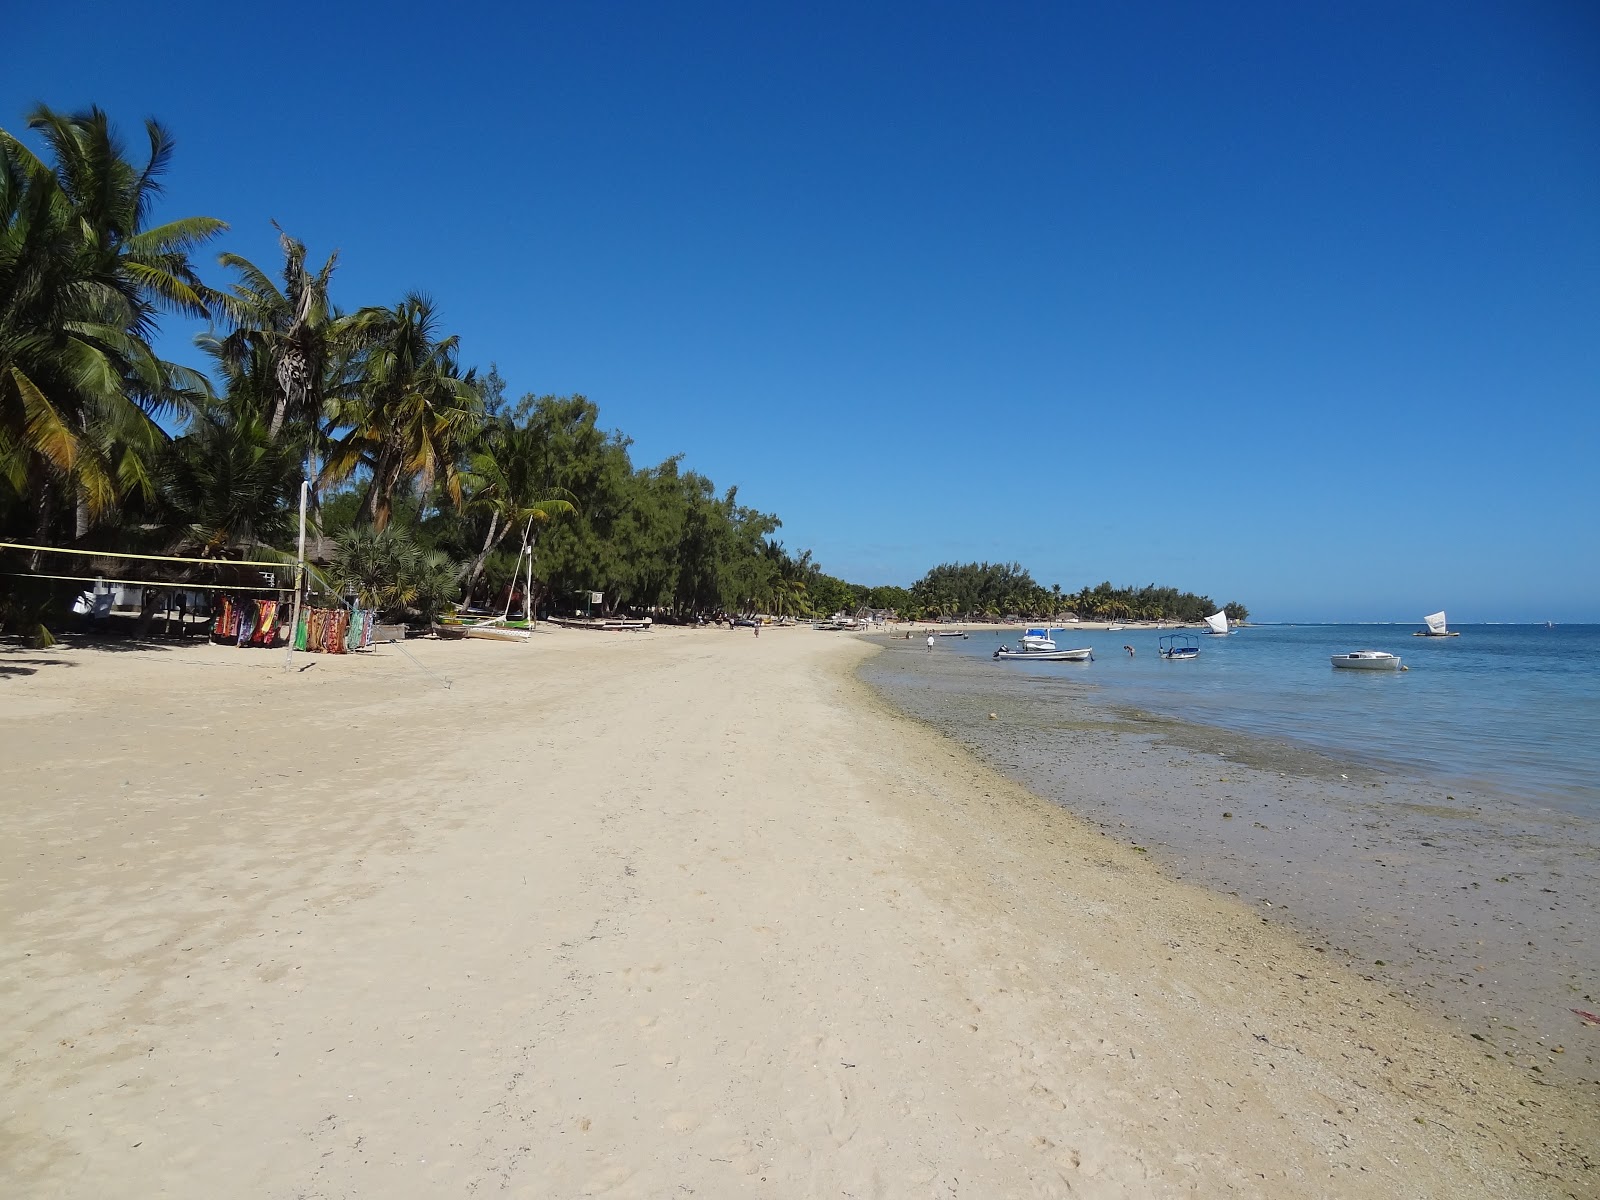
<point>494,629</point>
<point>1368,660</point>
<point>1178,647</point>
<point>1436,627</point>
<point>1038,639</point>
<point>1078,654</point>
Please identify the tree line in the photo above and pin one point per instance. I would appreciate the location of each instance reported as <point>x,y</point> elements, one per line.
<point>427,480</point>
<point>993,590</point>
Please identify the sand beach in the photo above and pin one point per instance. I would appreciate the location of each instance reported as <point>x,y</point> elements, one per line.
<point>683,913</point>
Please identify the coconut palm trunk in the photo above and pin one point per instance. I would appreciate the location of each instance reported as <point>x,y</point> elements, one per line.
<point>496,535</point>
<point>294,376</point>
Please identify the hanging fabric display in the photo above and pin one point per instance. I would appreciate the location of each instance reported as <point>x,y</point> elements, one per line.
<point>266,623</point>
<point>334,630</point>
<point>225,627</point>
<point>245,622</point>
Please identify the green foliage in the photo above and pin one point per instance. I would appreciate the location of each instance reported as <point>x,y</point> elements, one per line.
<point>386,570</point>
<point>82,277</point>
<point>224,483</point>
<point>412,416</point>
<point>1149,603</point>
<point>974,589</point>
<point>997,590</point>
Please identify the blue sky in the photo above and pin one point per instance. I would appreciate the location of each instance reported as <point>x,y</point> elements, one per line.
<point>1295,305</point>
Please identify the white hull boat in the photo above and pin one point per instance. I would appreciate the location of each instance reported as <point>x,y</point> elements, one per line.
<point>498,633</point>
<point>1368,660</point>
<point>1217,623</point>
<point>491,630</point>
<point>960,633</point>
<point>1035,640</point>
<point>1080,654</point>
<point>1178,647</point>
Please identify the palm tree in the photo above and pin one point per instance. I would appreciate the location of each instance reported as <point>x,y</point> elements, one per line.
<point>512,472</point>
<point>224,483</point>
<point>413,413</point>
<point>295,329</point>
<point>81,280</point>
<point>784,581</point>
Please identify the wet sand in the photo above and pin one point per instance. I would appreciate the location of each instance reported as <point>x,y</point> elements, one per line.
<point>679,913</point>
<point>1469,905</point>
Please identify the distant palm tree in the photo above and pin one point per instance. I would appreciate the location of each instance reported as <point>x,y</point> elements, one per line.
<point>413,415</point>
<point>512,474</point>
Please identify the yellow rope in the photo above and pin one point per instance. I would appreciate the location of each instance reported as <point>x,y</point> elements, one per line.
<point>210,562</point>
<point>166,583</point>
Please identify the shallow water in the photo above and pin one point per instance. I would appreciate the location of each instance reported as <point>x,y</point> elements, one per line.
<point>1465,894</point>
<point>1513,709</point>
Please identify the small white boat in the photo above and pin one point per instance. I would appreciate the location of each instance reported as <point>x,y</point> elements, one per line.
<point>1113,628</point>
<point>1080,654</point>
<point>1178,647</point>
<point>1038,639</point>
<point>1368,660</point>
<point>960,633</point>
<point>1217,623</point>
<point>1436,627</point>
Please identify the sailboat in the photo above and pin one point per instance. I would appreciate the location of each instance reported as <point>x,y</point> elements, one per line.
<point>1217,622</point>
<point>1436,627</point>
<point>502,628</point>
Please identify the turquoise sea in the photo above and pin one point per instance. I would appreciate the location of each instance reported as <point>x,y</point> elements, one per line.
<point>1506,709</point>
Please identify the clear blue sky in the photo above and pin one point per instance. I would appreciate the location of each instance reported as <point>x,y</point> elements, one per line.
<point>1292,304</point>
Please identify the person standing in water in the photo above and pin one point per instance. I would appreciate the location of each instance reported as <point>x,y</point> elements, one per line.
<point>930,641</point>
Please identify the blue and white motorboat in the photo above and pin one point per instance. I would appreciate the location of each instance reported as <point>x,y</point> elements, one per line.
<point>1038,645</point>
<point>1178,647</point>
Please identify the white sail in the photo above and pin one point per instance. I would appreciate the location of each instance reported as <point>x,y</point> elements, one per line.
<point>1218,622</point>
<point>1435,622</point>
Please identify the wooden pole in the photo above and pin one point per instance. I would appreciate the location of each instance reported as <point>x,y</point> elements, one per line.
<point>299,575</point>
<point>527,590</point>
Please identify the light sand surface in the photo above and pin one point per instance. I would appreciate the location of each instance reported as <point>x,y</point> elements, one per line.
<point>683,913</point>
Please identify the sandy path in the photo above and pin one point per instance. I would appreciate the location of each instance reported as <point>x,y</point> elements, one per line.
<point>676,914</point>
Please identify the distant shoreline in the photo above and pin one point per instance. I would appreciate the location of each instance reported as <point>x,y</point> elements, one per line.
<point>1012,626</point>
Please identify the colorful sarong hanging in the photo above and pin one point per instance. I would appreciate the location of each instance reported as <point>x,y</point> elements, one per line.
<point>334,630</point>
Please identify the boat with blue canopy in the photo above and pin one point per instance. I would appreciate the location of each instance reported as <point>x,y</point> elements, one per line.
<point>1178,647</point>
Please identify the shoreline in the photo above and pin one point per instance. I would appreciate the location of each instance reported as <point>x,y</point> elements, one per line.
<point>622,915</point>
<point>1473,908</point>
